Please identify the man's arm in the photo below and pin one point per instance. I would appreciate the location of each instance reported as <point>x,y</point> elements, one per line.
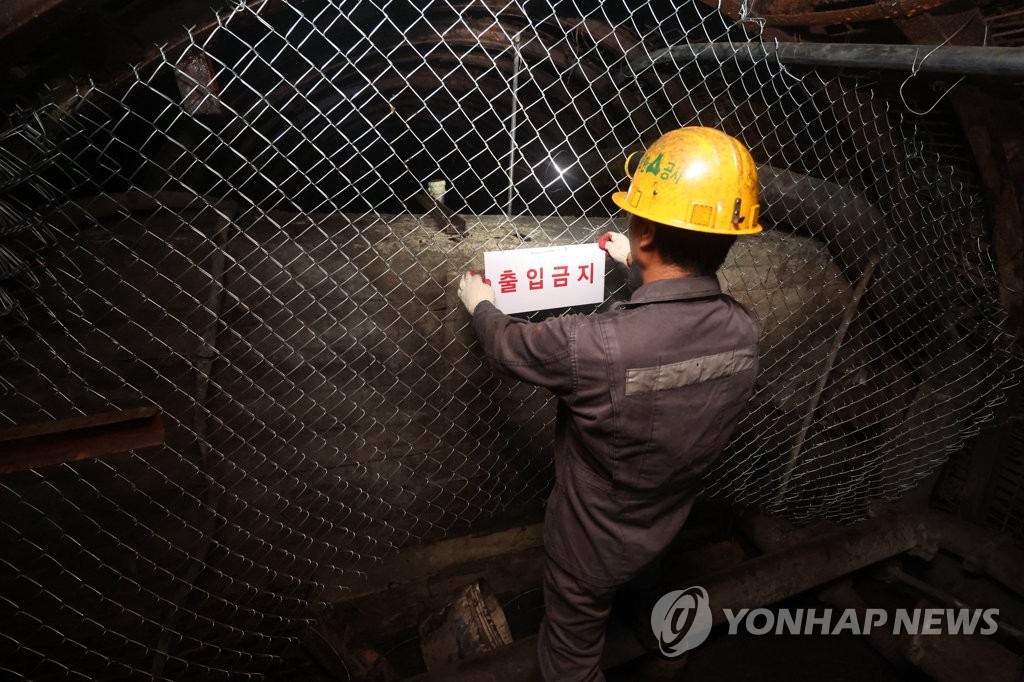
<point>539,353</point>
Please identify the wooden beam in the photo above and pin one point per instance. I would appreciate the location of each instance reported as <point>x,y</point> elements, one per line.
<point>78,438</point>
<point>418,568</point>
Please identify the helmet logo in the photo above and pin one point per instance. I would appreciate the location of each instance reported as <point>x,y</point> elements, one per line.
<point>736,219</point>
<point>654,167</point>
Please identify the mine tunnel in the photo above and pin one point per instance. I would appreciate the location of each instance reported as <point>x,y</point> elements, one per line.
<point>249,428</point>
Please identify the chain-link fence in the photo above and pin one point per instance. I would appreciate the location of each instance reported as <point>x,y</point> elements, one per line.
<point>239,232</point>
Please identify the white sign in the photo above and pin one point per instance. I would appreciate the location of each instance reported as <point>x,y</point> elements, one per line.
<point>539,279</point>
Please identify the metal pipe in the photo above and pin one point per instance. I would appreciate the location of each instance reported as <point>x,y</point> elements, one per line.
<point>984,61</point>
<point>894,573</point>
<point>517,65</point>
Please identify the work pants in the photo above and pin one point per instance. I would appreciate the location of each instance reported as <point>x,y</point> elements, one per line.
<point>572,634</point>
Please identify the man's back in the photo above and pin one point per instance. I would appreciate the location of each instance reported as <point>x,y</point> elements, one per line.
<point>660,385</point>
<point>675,367</point>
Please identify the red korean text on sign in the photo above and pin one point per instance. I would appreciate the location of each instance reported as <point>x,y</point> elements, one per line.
<point>586,273</point>
<point>536,277</point>
<point>507,281</point>
<point>561,276</point>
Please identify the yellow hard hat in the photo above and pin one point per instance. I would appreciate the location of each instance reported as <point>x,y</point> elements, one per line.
<point>698,179</point>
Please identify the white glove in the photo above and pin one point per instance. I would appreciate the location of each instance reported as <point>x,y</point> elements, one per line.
<point>473,289</point>
<point>617,246</point>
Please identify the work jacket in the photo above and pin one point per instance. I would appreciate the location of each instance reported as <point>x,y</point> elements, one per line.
<point>648,395</point>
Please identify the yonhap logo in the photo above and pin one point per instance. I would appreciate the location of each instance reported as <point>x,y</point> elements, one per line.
<point>681,620</point>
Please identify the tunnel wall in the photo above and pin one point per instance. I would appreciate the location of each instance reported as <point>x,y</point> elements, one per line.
<point>236,232</point>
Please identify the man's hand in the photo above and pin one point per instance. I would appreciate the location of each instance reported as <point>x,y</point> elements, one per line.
<point>473,289</point>
<point>617,246</point>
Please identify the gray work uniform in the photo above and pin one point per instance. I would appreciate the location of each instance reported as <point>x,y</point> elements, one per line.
<point>648,395</point>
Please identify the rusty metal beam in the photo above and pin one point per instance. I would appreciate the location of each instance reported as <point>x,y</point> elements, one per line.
<point>875,11</point>
<point>806,13</point>
<point>987,61</point>
<point>78,438</point>
<point>983,550</point>
<point>955,28</point>
<point>787,572</point>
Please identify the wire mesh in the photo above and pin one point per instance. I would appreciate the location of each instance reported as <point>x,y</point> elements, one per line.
<point>238,232</point>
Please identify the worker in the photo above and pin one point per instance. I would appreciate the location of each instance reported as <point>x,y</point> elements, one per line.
<point>648,392</point>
